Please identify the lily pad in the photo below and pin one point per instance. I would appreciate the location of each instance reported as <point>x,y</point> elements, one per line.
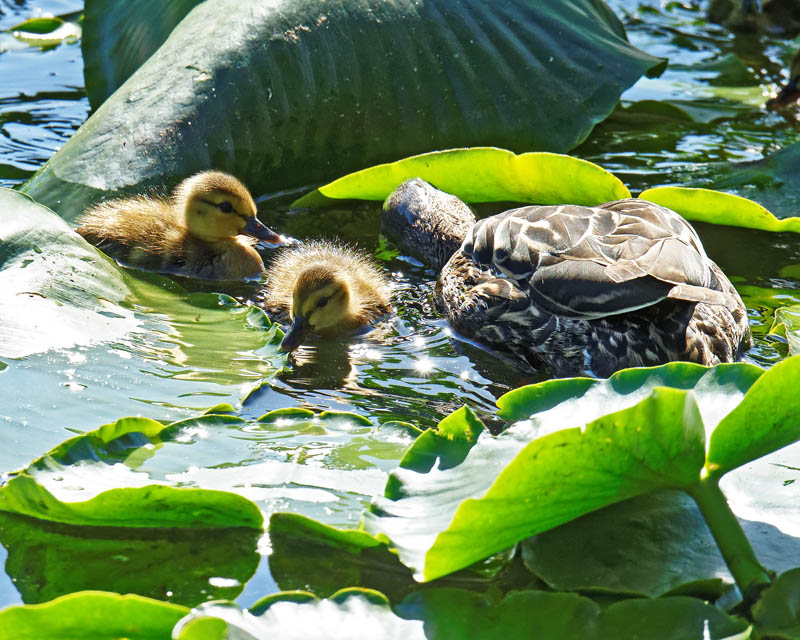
<point>776,613</point>
<point>429,512</point>
<point>353,613</point>
<point>92,615</point>
<point>482,175</point>
<point>788,318</point>
<point>185,566</point>
<point>717,207</point>
<point>57,290</point>
<point>46,31</point>
<point>48,488</point>
<point>231,76</point>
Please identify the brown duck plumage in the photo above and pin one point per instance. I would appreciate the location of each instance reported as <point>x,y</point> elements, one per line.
<point>577,290</point>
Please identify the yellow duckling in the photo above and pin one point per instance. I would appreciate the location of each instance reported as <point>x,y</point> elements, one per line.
<point>197,232</point>
<point>325,288</point>
<point>791,92</point>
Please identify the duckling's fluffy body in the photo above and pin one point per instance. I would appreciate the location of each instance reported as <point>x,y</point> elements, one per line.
<point>576,290</point>
<point>195,232</point>
<point>335,289</point>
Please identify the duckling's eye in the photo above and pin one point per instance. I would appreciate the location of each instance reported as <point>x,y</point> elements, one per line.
<point>322,302</point>
<point>226,207</point>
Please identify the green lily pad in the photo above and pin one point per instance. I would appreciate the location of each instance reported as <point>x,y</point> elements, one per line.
<point>787,321</point>
<point>358,613</point>
<point>48,488</point>
<point>91,615</point>
<point>46,32</point>
<point>58,291</point>
<point>231,76</point>
<point>185,566</point>
<point>487,498</point>
<point>482,175</point>
<point>717,207</point>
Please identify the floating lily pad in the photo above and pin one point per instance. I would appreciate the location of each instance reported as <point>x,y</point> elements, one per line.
<point>92,615</point>
<point>457,73</point>
<point>46,31</point>
<point>57,290</point>
<point>717,207</point>
<point>482,175</point>
<point>51,488</point>
<point>186,566</point>
<point>540,473</point>
<point>353,613</point>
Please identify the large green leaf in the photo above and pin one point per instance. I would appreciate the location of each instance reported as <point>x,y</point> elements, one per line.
<point>291,92</point>
<point>118,39</point>
<point>482,175</point>
<point>442,517</point>
<point>91,615</point>
<point>48,488</point>
<point>57,290</point>
<point>717,207</point>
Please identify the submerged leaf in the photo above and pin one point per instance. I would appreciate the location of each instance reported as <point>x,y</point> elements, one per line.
<point>482,174</point>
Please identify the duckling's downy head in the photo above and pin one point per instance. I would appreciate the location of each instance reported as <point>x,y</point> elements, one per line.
<point>791,92</point>
<point>218,206</point>
<point>321,301</point>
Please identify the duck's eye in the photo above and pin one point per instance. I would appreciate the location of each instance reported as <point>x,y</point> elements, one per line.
<point>322,302</point>
<point>226,207</point>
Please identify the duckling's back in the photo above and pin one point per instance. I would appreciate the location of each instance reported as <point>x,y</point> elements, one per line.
<point>140,231</point>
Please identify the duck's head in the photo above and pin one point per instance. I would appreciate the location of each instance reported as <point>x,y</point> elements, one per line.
<point>218,206</point>
<point>425,222</point>
<point>320,302</point>
<point>791,91</point>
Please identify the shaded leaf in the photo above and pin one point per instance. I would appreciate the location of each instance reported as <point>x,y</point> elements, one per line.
<point>229,77</point>
<point>777,612</point>
<point>787,319</point>
<point>482,175</point>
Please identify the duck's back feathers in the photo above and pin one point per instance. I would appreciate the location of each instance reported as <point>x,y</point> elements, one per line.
<point>593,289</point>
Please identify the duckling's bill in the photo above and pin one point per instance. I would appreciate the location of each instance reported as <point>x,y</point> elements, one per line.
<point>296,334</point>
<point>258,230</point>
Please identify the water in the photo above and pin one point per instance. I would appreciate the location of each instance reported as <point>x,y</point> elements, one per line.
<point>411,368</point>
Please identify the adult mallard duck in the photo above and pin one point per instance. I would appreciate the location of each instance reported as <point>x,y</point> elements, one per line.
<point>791,92</point>
<point>198,232</point>
<point>572,289</point>
<point>324,288</point>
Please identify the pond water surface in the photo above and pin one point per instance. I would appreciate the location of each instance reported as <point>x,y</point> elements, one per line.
<point>411,368</point>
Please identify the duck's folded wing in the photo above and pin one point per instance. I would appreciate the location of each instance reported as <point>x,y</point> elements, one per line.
<point>596,261</point>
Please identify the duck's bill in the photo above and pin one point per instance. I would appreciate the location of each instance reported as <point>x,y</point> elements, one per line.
<point>296,335</point>
<point>262,232</point>
<point>789,94</point>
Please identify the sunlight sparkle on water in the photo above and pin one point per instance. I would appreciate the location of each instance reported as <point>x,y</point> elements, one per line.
<point>424,366</point>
